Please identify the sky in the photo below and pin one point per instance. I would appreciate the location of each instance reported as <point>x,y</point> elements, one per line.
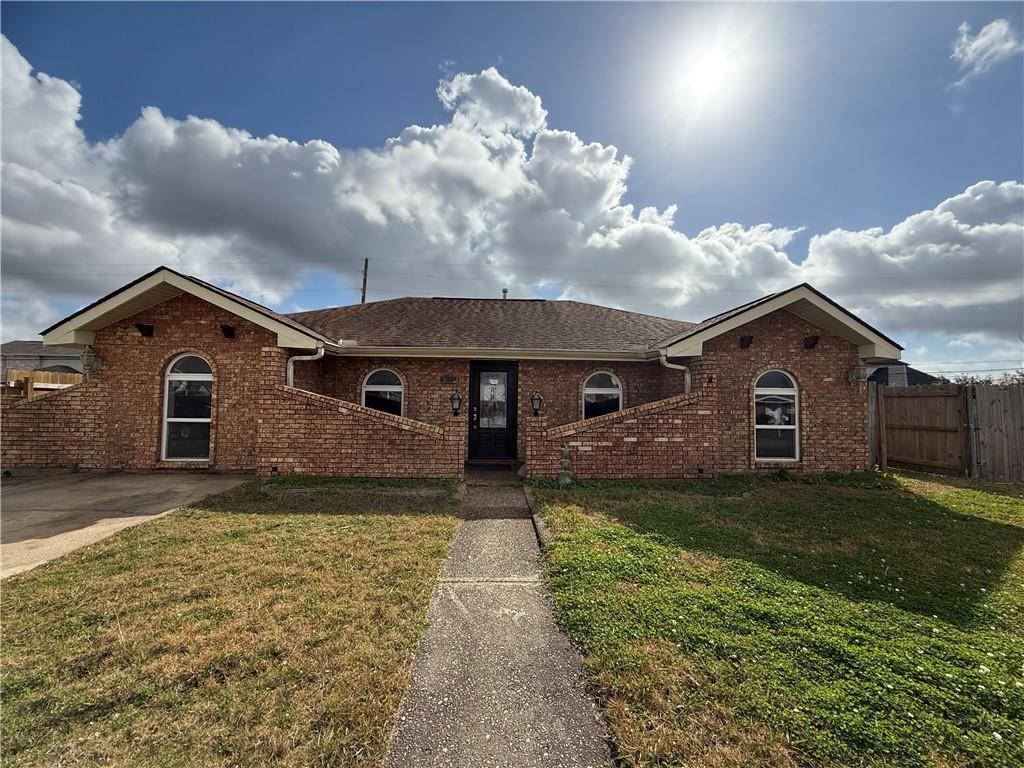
<point>673,159</point>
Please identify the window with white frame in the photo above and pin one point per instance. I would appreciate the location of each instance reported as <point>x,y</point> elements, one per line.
<point>188,401</point>
<point>602,393</point>
<point>776,418</point>
<point>383,391</point>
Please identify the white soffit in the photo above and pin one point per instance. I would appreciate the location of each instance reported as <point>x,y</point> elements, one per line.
<point>806,304</point>
<point>154,289</point>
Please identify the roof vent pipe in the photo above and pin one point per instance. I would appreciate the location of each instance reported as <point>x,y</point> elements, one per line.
<point>504,293</point>
<point>686,371</point>
<point>290,379</point>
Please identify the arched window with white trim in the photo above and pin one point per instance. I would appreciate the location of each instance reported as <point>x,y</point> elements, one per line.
<point>188,402</point>
<point>602,393</point>
<point>383,391</point>
<point>776,417</point>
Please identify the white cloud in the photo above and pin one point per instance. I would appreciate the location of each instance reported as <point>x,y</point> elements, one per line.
<point>977,54</point>
<point>494,196</point>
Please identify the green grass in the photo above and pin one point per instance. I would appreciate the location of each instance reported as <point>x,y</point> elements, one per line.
<point>271,625</point>
<point>859,620</point>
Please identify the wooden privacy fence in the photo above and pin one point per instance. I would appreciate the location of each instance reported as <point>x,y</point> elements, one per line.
<point>974,429</point>
<point>20,384</point>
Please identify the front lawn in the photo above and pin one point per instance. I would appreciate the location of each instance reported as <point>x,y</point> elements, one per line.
<point>271,625</point>
<point>861,620</point>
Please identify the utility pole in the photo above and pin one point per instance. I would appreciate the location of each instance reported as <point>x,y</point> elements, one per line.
<point>366,268</point>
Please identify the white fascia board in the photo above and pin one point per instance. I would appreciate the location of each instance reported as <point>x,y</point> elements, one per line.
<point>76,331</point>
<point>70,338</point>
<point>869,343</point>
<point>481,353</point>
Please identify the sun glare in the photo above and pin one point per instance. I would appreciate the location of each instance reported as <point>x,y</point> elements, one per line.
<point>709,77</point>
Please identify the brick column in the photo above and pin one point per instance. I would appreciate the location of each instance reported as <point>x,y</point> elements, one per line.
<point>456,435</point>
<point>536,446</point>
<point>273,364</point>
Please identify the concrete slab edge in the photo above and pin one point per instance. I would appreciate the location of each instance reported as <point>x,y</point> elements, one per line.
<point>540,528</point>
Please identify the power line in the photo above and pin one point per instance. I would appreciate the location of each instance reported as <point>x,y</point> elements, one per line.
<point>547,267</point>
<point>575,282</point>
<point>688,305</point>
<point>971,370</point>
<point>969,362</point>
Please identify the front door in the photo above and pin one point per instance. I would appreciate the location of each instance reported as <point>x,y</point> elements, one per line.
<point>492,410</point>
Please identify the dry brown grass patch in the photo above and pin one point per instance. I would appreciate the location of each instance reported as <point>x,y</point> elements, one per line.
<point>231,634</point>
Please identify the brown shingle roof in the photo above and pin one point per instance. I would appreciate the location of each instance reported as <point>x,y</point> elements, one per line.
<point>491,324</point>
<point>35,347</point>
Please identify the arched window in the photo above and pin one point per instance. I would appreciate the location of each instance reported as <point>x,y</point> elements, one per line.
<point>188,399</point>
<point>602,394</point>
<point>382,391</point>
<point>776,418</point>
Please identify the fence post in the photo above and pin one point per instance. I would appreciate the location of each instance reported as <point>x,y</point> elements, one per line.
<point>973,438</point>
<point>883,438</point>
<point>872,424</point>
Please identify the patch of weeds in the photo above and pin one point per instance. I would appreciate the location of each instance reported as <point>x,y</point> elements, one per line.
<point>869,620</point>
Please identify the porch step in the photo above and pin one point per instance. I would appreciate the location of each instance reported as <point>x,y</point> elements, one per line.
<point>491,476</point>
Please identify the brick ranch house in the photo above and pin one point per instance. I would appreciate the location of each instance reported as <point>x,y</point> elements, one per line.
<point>186,375</point>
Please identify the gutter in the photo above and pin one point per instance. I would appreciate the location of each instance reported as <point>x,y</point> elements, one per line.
<point>663,359</point>
<point>290,377</point>
<point>351,349</point>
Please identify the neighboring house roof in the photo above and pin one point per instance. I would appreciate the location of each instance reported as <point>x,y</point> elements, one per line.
<point>802,300</point>
<point>162,284</point>
<point>493,324</point>
<point>58,369</point>
<point>915,377</point>
<point>35,348</point>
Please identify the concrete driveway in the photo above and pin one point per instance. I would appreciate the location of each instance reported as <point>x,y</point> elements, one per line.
<point>48,515</point>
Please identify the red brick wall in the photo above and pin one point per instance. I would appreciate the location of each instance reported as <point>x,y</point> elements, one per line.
<point>427,399</point>
<point>833,414</point>
<point>305,433</point>
<point>115,421</point>
<point>122,426</point>
<point>561,384</point>
<point>671,438</point>
<point>713,429</point>
<point>56,430</point>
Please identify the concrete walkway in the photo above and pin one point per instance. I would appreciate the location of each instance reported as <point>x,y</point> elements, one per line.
<point>494,682</point>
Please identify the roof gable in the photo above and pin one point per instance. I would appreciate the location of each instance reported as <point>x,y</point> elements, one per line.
<point>802,300</point>
<point>162,284</point>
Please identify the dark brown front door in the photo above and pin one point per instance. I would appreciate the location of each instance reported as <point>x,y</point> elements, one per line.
<point>492,410</point>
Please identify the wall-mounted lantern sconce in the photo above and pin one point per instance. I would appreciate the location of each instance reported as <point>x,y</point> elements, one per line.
<point>536,401</point>
<point>810,342</point>
<point>456,399</point>
<point>228,331</point>
<point>859,372</point>
<point>90,363</point>
<point>144,329</point>
<point>746,341</point>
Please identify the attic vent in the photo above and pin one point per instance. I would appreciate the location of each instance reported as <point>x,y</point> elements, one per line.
<point>144,329</point>
<point>746,341</point>
<point>810,342</point>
